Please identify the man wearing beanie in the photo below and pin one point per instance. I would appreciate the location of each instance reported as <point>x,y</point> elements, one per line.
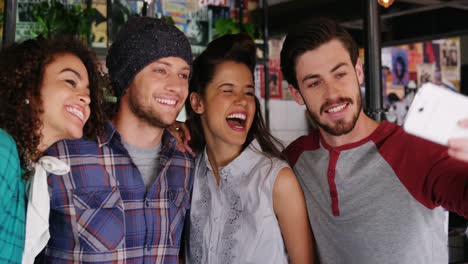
<point>126,196</point>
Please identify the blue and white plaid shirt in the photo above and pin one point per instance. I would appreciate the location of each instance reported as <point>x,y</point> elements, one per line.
<point>101,211</point>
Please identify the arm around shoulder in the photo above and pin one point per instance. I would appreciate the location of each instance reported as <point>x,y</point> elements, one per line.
<point>291,211</point>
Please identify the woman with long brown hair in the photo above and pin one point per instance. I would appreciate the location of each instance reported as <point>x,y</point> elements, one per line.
<point>247,205</point>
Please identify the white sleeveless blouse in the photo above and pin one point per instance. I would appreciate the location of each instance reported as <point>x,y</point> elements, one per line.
<point>234,222</point>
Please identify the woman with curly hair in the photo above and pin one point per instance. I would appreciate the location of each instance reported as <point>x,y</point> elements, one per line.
<point>48,92</point>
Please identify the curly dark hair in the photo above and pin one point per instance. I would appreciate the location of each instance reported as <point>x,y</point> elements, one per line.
<point>22,67</point>
<point>239,48</point>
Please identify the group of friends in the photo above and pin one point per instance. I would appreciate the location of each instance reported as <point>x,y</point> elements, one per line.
<point>82,186</point>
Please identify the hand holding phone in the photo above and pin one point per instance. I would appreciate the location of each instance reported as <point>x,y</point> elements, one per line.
<point>435,112</point>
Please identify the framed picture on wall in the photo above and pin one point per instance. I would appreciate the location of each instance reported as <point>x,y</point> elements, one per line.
<point>274,84</point>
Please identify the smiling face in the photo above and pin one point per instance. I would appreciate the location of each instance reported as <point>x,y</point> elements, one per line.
<point>329,87</point>
<point>158,91</point>
<point>228,107</point>
<point>65,99</point>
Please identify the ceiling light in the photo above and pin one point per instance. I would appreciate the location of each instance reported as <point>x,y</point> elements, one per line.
<point>385,3</point>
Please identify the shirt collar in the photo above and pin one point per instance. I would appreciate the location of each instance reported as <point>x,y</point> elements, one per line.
<point>241,165</point>
<point>109,132</point>
<point>168,142</point>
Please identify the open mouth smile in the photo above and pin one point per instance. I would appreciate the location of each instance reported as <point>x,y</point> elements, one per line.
<point>164,101</point>
<point>237,121</point>
<point>76,112</point>
<point>336,109</point>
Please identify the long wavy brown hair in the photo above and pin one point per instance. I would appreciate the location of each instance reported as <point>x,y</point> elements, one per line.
<point>22,67</point>
<point>238,48</point>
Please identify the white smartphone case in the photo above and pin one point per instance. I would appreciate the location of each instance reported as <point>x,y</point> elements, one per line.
<point>434,114</point>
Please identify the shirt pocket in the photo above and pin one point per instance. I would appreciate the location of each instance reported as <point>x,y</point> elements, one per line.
<point>100,221</point>
<point>178,206</point>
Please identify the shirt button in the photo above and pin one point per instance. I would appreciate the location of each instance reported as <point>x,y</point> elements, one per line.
<point>147,203</point>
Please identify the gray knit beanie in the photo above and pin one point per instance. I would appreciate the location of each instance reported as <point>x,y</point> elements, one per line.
<point>141,41</point>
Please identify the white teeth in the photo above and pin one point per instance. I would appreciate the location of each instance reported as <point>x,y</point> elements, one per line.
<point>166,101</point>
<point>238,116</point>
<point>76,112</point>
<point>336,108</point>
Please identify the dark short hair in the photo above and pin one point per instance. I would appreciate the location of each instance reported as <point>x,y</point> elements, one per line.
<point>309,36</point>
<point>22,68</point>
<point>237,48</point>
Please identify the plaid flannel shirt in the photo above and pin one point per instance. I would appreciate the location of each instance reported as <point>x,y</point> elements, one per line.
<point>101,211</point>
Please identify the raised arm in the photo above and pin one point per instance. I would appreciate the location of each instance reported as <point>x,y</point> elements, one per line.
<point>432,176</point>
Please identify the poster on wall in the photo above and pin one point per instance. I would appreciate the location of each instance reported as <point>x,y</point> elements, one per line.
<point>431,54</point>
<point>450,62</point>
<point>275,80</point>
<point>197,30</point>
<point>387,58</point>
<point>415,57</point>
<point>279,87</point>
<point>386,73</point>
<point>426,73</point>
<point>178,10</point>
<point>400,68</point>
<point>449,52</point>
<point>274,84</point>
<point>99,25</point>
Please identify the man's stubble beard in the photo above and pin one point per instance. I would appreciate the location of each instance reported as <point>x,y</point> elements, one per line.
<point>339,127</point>
<point>147,114</point>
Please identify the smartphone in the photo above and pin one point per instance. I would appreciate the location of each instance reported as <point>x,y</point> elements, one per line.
<point>434,114</point>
